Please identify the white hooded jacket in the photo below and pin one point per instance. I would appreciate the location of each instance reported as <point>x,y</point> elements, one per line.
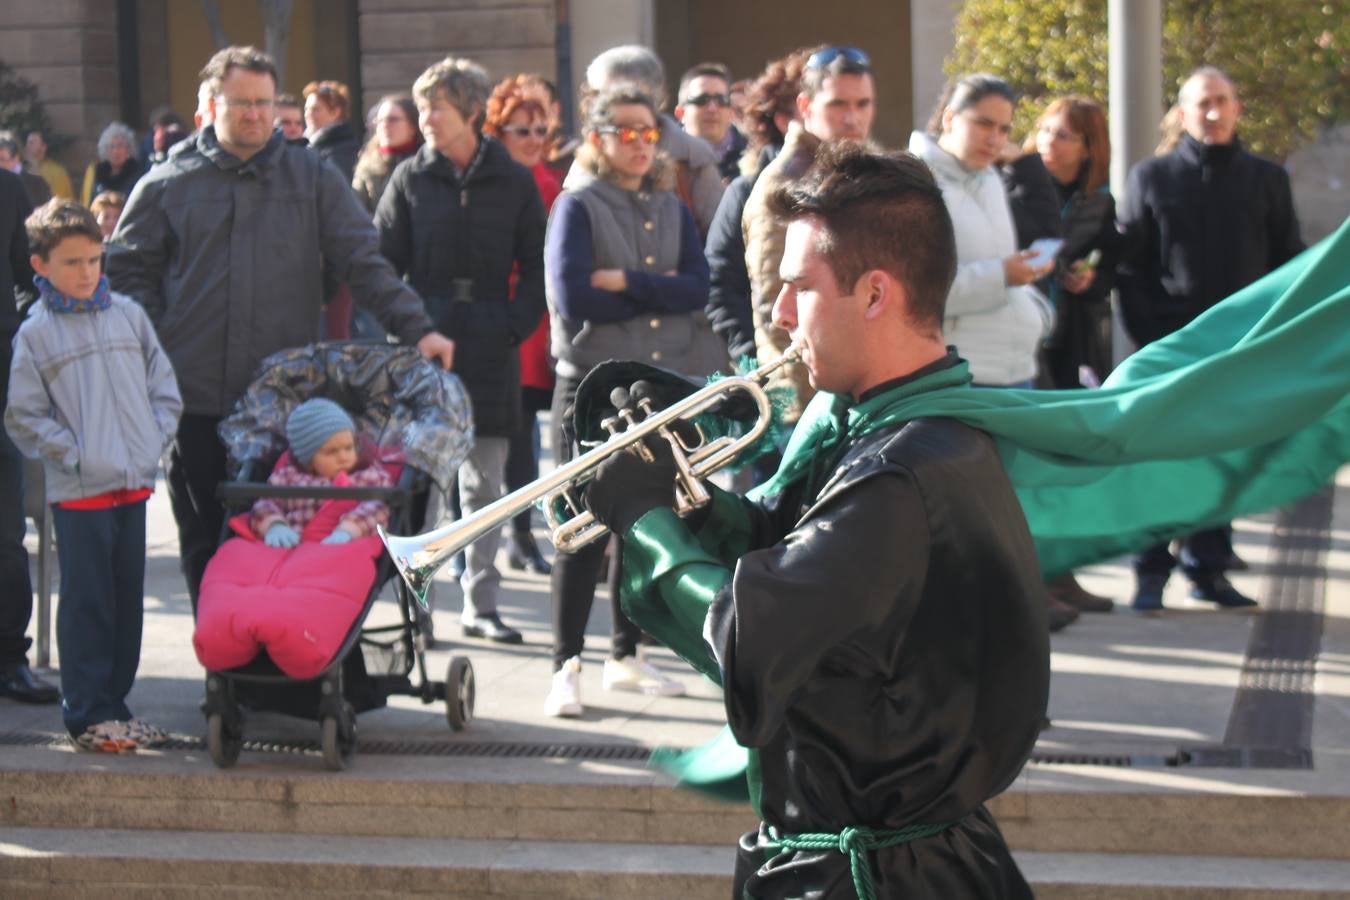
<point>997,328</point>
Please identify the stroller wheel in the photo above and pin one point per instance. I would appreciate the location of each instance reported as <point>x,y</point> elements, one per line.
<point>224,747</point>
<point>459,692</point>
<point>338,740</point>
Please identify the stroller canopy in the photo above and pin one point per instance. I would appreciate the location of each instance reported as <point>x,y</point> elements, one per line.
<point>396,398</point>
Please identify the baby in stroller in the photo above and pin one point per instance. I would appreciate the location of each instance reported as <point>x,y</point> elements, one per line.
<point>345,437</point>
<point>326,449</point>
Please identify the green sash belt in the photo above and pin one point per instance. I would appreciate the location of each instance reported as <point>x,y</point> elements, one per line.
<point>856,843</point>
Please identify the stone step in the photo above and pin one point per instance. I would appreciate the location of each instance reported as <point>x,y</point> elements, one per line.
<point>195,865</point>
<point>553,800</point>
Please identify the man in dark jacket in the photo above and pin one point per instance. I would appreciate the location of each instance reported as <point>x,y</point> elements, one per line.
<point>883,703</point>
<point>16,588</point>
<point>456,220</point>
<point>1200,223</point>
<point>224,244</point>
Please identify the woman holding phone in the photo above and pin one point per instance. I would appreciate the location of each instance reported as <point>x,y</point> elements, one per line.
<point>1071,140</point>
<point>995,316</point>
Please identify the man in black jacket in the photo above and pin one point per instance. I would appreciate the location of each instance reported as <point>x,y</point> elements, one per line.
<point>456,220</point>
<point>16,588</point>
<point>1200,223</point>
<point>225,244</point>
<point>875,615</point>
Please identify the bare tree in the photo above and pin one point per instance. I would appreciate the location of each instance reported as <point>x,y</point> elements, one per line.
<point>276,30</point>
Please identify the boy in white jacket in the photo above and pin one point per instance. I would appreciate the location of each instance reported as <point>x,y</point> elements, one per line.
<point>92,394</point>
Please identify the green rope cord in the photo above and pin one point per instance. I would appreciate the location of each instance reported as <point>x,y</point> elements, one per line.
<point>856,843</point>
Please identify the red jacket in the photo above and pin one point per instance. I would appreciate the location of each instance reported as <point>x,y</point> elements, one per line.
<point>536,369</point>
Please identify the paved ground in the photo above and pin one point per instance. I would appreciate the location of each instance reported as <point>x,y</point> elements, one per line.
<point>1123,684</point>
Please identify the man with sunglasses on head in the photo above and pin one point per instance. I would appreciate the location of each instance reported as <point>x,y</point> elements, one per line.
<point>225,244</point>
<point>705,111</point>
<point>835,104</point>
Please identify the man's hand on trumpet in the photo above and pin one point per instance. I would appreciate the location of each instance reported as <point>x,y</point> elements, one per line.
<point>625,487</point>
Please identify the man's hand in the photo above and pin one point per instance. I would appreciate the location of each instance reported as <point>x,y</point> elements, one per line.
<point>437,346</point>
<point>625,488</point>
<point>610,280</point>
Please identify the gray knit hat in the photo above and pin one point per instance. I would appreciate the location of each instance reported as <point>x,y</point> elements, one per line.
<point>312,423</point>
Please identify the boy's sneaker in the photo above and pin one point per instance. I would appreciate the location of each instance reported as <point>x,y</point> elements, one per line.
<point>105,737</point>
<point>564,697</point>
<point>633,673</point>
<point>147,735</point>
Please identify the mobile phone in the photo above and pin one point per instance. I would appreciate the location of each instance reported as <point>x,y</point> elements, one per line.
<point>1045,250</point>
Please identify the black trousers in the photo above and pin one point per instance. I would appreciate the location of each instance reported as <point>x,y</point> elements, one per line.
<point>522,454</point>
<point>1204,556</point>
<point>197,465</point>
<point>16,586</point>
<point>574,574</point>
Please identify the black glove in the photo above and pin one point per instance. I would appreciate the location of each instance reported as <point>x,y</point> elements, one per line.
<point>625,487</point>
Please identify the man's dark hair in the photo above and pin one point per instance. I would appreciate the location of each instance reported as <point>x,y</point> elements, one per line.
<point>288,100</point>
<point>703,70</point>
<point>879,211</point>
<point>9,141</point>
<point>57,219</point>
<point>813,77</point>
<point>249,58</point>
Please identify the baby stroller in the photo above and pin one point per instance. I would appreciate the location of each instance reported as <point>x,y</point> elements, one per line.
<point>284,631</point>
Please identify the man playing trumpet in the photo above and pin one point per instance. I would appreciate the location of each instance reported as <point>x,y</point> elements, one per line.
<point>874,612</point>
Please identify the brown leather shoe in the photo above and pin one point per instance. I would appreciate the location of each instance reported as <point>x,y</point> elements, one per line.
<point>1061,615</point>
<point>1068,591</point>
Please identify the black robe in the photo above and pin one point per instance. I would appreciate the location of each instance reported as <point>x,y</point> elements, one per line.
<point>886,652</point>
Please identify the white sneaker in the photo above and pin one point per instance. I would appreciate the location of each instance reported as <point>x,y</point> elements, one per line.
<point>633,673</point>
<point>564,697</point>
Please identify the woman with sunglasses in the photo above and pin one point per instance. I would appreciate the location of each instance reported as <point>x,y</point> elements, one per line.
<point>395,137</point>
<point>517,119</point>
<point>626,279</point>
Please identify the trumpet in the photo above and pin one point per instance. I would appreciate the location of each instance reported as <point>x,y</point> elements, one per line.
<point>571,525</point>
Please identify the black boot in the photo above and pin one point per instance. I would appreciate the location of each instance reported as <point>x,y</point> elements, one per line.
<point>522,552</point>
<point>18,682</point>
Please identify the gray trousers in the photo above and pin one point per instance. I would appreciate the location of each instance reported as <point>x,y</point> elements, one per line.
<point>482,479</point>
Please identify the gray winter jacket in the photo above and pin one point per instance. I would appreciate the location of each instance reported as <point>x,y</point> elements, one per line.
<point>227,257</point>
<point>93,395</point>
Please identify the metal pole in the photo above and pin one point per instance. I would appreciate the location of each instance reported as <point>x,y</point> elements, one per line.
<point>1134,35</point>
<point>1134,29</point>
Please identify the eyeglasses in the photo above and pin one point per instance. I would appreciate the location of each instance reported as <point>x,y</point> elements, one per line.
<point>722,100</point>
<point>629,134</point>
<point>828,55</point>
<point>243,105</point>
<point>524,131</point>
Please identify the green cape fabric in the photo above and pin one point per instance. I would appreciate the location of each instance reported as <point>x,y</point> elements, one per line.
<point>1243,410</point>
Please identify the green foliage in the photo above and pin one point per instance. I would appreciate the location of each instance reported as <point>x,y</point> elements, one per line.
<point>21,110</point>
<point>1290,59</point>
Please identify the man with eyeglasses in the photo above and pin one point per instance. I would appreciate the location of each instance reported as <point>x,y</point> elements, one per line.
<point>225,244</point>
<point>835,105</point>
<point>289,116</point>
<point>705,111</point>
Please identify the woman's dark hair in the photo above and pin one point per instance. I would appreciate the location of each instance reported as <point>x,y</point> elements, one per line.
<point>967,91</point>
<point>371,151</point>
<point>773,93</point>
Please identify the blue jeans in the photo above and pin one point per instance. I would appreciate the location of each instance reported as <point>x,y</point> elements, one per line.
<point>98,624</point>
